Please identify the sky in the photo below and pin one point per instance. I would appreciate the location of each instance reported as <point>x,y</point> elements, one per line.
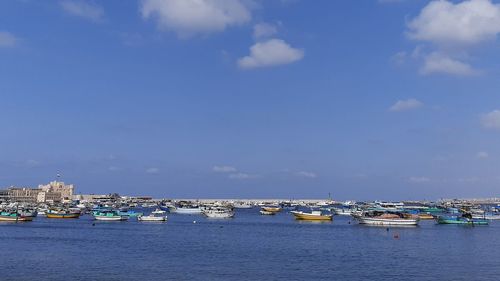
<point>363,100</point>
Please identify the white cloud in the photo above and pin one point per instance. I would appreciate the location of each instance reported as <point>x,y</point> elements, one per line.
<point>7,39</point>
<point>264,30</point>
<point>491,120</point>
<point>224,169</point>
<point>191,17</point>
<point>152,170</point>
<point>305,174</point>
<point>482,155</point>
<point>241,176</point>
<point>270,53</point>
<point>439,63</point>
<point>405,105</point>
<point>466,22</point>
<point>83,9</point>
<point>419,179</point>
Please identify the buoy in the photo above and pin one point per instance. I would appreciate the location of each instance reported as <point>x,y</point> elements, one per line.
<point>194,221</point>
<point>387,229</point>
<point>396,236</point>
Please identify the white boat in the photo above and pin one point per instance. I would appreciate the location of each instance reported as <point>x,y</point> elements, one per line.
<point>218,212</point>
<point>192,210</point>
<point>387,219</point>
<point>342,211</point>
<point>242,205</point>
<point>487,217</point>
<point>154,217</point>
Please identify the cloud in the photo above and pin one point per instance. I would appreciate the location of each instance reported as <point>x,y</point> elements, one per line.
<point>224,169</point>
<point>439,63</point>
<point>242,176</point>
<point>191,17</point>
<point>264,30</point>
<point>446,23</point>
<point>419,179</point>
<point>449,29</point>
<point>405,105</point>
<point>7,39</point>
<point>83,9</point>
<point>270,53</point>
<point>491,120</point>
<point>482,155</point>
<point>305,174</point>
<point>152,170</point>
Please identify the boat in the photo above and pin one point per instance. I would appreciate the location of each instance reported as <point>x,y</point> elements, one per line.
<point>461,220</point>
<point>242,205</point>
<point>271,209</point>
<point>109,215</point>
<point>269,213</point>
<point>130,213</point>
<point>217,212</point>
<point>62,215</point>
<point>187,210</point>
<point>487,216</point>
<point>342,211</point>
<point>385,219</point>
<point>155,216</point>
<point>13,216</point>
<point>425,216</point>
<point>313,216</point>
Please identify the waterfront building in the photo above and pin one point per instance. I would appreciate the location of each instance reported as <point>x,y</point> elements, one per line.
<point>56,191</point>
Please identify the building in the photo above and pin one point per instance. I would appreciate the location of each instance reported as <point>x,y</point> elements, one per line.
<point>56,191</point>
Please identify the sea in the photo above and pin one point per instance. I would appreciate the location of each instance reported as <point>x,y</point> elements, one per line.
<point>248,247</point>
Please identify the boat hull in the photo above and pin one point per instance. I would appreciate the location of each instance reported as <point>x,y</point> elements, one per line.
<point>111,218</point>
<point>462,221</point>
<point>151,219</point>
<point>187,211</point>
<point>311,217</point>
<point>62,216</point>
<point>384,222</point>
<point>15,219</point>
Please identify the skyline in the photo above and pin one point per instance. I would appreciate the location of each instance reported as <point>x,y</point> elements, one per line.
<point>381,99</point>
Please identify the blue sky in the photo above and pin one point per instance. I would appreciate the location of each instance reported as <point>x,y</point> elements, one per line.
<point>387,99</point>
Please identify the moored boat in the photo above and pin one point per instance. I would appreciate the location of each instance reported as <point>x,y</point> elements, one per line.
<point>62,214</point>
<point>312,216</point>
<point>155,216</point>
<point>109,215</point>
<point>217,212</point>
<point>386,219</point>
<point>13,216</point>
<point>461,220</point>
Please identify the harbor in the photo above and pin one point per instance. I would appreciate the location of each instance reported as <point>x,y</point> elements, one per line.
<point>247,246</point>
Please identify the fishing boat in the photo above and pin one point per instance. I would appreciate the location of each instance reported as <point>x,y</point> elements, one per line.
<point>271,209</point>
<point>13,216</point>
<point>312,216</point>
<point>109,215</point>
<point>155,216</point>
<point>62,215</point>
<point>217,212</point>
<point>242,205</point>
<point>425,216</point>
<point>186,210</point>
<point>384,219</point>
<point>269,213</point>
<point>487,216</point>
<point>130,213</point>
<point>342,211</point>
<point>461,220</point>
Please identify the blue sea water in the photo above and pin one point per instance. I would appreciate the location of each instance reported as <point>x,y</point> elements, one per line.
<point>248,247</point>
